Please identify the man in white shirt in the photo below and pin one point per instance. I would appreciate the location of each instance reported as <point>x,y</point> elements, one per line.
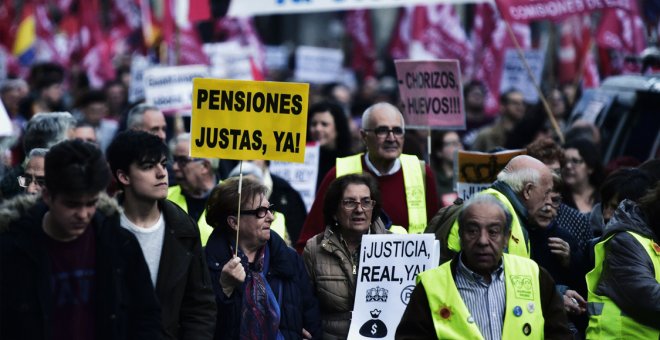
<point>169,238</point>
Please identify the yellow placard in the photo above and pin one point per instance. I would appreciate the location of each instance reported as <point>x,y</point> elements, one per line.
<point>479,167</point>
<point>247,120</point>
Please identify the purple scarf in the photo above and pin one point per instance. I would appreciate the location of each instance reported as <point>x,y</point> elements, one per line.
<point>260,312</point>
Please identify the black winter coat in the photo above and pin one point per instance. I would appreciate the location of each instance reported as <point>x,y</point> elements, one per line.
<point>126,306</point>
<point>287,278</point>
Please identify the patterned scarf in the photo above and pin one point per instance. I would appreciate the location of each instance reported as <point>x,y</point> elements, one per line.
<point>260,312</point>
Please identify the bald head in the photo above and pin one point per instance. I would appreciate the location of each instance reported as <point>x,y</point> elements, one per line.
<point>372,115</point>
<point>531,180</point>
<point>525,162</point>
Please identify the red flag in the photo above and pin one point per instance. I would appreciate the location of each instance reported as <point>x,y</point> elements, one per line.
<point>491,40</point>
<point>432,32</point>
<point>358,25</point>
<point>200,10</point>
<point>242,30</point>
<point>620,34</point>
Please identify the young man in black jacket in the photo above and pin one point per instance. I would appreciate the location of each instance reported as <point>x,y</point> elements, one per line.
<point>169,238</point>
<point>67,270</point>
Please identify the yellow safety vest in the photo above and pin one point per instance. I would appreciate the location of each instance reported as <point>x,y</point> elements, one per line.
<point>523,317</point>
<point>413,179</point>
<point>175,195</point>
<point>517,244</point>
<point>606,320</point>
<point>279,226</point>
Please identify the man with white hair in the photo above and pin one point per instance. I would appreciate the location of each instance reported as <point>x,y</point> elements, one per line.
<point>196,178</point>
<point>524,186</point>
<point>147,118</point>
<point>406,183</point>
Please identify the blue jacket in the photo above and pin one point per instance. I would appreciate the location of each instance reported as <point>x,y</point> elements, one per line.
<point>287,278</point>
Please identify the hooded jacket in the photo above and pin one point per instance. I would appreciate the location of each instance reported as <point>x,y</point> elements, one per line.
<point>628,276</point>
<point>126,306</point>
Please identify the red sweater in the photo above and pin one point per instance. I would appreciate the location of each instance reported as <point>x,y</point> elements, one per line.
<point>392,195</point>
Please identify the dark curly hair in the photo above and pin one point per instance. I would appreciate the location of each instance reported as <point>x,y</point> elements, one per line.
<point>336,191</point>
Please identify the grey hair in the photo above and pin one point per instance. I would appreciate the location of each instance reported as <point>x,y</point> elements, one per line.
<point>186,137</point>
<point>13,84</point>
<point>518,178</point>
<point>37,152</point>
<point>47,129</point>
<point>136,115</point>
<point>484,198</point>
<point>382,105</point>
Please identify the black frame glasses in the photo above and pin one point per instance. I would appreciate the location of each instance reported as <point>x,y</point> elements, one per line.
<point>25,181</point>
<point>182,161</point>
<point>260,212</point>
<point>365,203</point>
<point>384,131</point>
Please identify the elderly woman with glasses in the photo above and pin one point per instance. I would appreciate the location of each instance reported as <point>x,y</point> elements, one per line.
<point>264,292</point>
<point>332,257</point>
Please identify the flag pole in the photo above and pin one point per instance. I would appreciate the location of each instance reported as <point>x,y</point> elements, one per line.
<point>551,117</point>
<point>238,213</point>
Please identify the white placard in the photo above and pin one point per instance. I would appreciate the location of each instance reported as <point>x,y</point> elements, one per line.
<point>301,176</point>
<point>6,127</point>
<point>246,8</point>
<point>277,57</point>
<point>386,276</point>
<point>139,64</point>
<point>318,65</point>
<point>229,60</point>
<point>514,74</point>
<point>170,88</point>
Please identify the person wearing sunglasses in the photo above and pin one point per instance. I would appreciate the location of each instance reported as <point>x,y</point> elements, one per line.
<point>407,184</point>
<point>33,180</point>
<point>195,178</point>
<point>332,257</point>
<point>287,306</point>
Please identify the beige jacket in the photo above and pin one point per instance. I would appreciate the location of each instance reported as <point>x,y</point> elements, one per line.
<point>330,268</point>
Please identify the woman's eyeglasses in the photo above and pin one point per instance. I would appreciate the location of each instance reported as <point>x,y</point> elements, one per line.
<point>25,181</point>
<point>260,212</point>
<point>365,203</point>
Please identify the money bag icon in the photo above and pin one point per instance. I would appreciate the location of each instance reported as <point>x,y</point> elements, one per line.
<point>374,328</point>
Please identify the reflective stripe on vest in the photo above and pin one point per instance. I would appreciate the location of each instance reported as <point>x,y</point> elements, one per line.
<point>452,319</point>
<point>517,244</point>
<point>605,317</point>
<point>397,229</point>
<point>413,180</point>
<point>175,195</point>
<point>279,226</point>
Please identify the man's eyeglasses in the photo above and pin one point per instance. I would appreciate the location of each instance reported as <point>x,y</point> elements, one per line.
<point>366,203</point>
<point>24,181</point>
<point>555,200</point>
<point>260,212</point>
<point>384,131</point>
<point>182,161</point>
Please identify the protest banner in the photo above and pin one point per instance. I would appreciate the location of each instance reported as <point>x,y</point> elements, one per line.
<point>229,60</point>
<point>6,127</point>
<point>318,65</point>
<point>139,64</point>
<point>170,88</point>
<point>514,74</point>
<point>277,57</point>
<point>432,94</point>
<point>389,265</point>
<point>246,120</point>
<point>476,171</point>
<point>301,176</point>
<point>263,7</point>
<point>530,10</point>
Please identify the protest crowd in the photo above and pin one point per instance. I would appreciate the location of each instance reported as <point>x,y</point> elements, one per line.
<point>121,219</point>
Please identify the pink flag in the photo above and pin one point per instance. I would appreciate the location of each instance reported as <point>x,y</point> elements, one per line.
<point>491,40</point>
<point>200,10</point>
<point>358,26</point>
<point>242,30</point>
